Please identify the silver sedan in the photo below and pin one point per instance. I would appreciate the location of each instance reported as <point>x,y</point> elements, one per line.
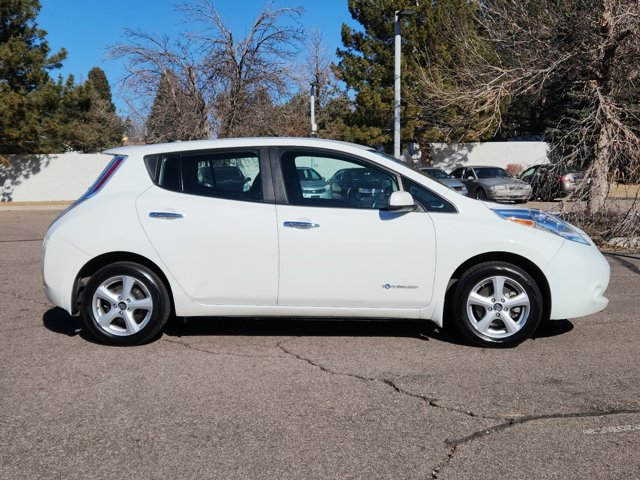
<point>493,183</point>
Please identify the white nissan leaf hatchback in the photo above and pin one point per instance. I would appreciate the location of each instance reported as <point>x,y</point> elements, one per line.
<point>222,228</point>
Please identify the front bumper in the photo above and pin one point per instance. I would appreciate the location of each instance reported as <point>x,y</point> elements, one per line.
<point>578,276</point>
<point>509,196</point>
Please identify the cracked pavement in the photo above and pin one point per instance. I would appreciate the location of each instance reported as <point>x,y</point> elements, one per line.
<point>272,398</point>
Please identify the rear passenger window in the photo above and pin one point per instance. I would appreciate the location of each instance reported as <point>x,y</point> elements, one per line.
<point>229,175</point>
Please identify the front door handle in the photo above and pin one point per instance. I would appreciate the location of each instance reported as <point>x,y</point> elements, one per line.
<point>166,215</point>
<point>301,225</point>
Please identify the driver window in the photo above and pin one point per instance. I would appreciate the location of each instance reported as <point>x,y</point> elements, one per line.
<point>316,179</point>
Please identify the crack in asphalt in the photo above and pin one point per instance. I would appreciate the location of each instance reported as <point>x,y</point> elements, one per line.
<point>213,352</point>
<point>430,401</point>
<point>26,299</point>
<point>454,444</point>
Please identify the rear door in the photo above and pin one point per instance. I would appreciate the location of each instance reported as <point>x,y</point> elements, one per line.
<point>215,230</point>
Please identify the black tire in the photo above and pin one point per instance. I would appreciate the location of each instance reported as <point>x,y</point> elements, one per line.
<point>485,324</point>
<point>122,322</point>
<point>481,194</point>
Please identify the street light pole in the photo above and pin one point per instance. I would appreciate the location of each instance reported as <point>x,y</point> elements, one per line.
<point>312,100</point>
<point>396,79</point>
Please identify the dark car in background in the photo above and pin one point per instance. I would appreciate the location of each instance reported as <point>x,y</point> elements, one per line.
<point>551,181</point>
<point>228,178</point>
<point>493,183</point>
<point>358,183</point>
<point>443,177</point>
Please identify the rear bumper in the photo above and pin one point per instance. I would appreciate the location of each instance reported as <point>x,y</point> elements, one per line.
<point>61,264</point>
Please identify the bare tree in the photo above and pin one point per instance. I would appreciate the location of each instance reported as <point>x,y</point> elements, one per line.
<point>222,79</point>
<point>575,61</point>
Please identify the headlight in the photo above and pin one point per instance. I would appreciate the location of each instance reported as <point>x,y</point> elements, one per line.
<point>543,221</point>
<point>498,187</point>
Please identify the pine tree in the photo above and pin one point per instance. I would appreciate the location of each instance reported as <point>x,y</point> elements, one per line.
<point>29,98</point>
<point>88,115</point>
<point>366,66</point>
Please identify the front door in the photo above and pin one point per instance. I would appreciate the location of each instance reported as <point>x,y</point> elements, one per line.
<point>344,249</point>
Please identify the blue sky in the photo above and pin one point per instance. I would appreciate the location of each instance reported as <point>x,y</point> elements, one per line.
<point>86,28</point>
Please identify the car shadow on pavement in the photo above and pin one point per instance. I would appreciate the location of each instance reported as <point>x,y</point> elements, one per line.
<point>59,321</point>
<point>288,327</point>
<point>296,327</point>
<point>553,328</point>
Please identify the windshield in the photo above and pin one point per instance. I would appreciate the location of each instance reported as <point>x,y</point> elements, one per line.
<point>491,172</point>
<point>436,173</point>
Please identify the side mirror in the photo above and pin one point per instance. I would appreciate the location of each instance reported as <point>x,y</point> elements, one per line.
<point>470,177</point>
<point>401,202</point>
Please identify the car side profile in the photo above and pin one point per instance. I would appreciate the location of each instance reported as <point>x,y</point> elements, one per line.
<point>180,241</point>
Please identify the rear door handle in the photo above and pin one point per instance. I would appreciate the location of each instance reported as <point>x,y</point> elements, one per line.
<point>166,215</point>
<point>301,225</point>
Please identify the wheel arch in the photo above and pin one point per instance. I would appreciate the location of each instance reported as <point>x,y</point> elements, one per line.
<point>515,259</point>
<point>95,264</point>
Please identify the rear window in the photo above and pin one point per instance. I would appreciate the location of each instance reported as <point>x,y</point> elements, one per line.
<point>233,175</point>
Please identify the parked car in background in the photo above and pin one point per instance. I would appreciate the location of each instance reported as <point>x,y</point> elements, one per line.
<point>551,181</point>
<point>443,177</point>
<point>359,183</point>
<point>226,177</point>
<point>313,184</point>
<point>493,183</point>
<point>180,247</point>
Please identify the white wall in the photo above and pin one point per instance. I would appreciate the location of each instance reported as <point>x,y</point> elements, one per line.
<point>495,154</point>
<point>46,178</point>
<point>65,177</point>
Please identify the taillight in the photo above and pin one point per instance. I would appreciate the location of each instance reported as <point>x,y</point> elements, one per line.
<point>567,178</point>
<point>103,178</point>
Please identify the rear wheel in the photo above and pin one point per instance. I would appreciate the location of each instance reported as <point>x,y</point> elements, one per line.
<point>497,304</point>
<point>125,304</point>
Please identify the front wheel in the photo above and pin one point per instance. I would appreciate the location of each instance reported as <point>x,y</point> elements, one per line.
<point>481,194</point>
<point>497,304</point>
<point>125,304</point>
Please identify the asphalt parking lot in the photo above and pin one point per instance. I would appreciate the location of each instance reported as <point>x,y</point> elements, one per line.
<point>267,399</point>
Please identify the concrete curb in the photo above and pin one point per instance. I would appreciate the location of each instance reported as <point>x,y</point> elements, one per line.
<point>26,206</point>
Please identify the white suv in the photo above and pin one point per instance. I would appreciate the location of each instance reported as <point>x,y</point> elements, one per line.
<point>159,234</point>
